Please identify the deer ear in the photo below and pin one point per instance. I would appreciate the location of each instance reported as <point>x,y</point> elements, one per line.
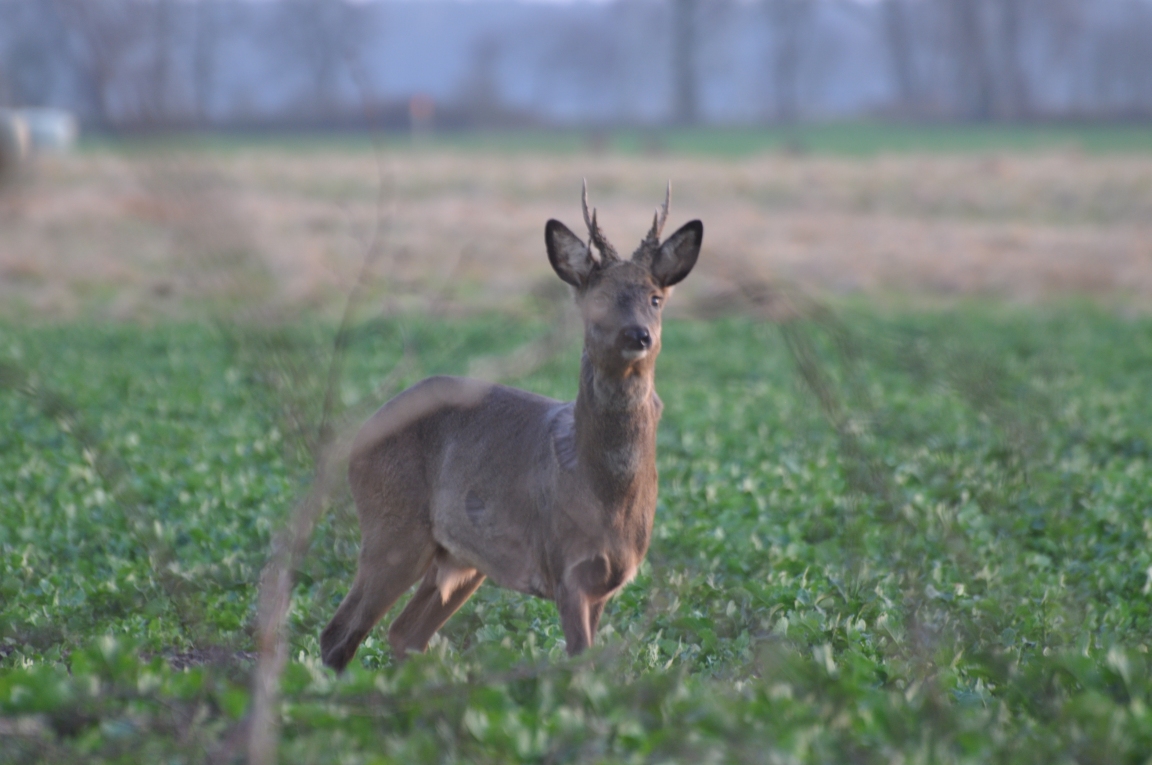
<point>678,254</point>
<point>570,257</point>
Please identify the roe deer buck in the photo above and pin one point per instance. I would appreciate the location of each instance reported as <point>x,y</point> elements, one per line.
<point>456,480</point>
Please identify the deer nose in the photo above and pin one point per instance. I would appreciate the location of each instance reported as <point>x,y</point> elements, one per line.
<point>637,338</point>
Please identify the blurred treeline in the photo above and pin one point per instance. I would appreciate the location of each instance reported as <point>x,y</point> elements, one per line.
<point>161,64</point>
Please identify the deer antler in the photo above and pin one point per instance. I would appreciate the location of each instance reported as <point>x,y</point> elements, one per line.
<point>595,235</point>
<point>659,219</point>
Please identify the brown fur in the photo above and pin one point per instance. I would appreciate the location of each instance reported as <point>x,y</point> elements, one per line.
<point>457,480</point>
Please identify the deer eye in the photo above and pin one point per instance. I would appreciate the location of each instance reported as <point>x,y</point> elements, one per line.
<point>656,301</point>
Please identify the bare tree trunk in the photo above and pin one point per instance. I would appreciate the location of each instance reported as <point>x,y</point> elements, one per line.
<point>899,39</point>
<point>159,103</point>
<point>789,20</point>
<point>482,95</point>
<point>1142,56</point>
<point>973,73</point>
<point>319,35</point>
<point>100,35</point>
<point>1016,95</point>
<point>1121,64</point>
<point>686,109</point>
<point>31,60</point>
<point>204,60</point>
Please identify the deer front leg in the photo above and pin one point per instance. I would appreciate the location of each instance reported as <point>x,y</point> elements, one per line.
<point>575,618</point>
<point>581,597</point>
<point>594,612</point>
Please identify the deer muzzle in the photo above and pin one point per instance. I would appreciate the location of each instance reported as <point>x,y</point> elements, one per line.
<point>635,342</point>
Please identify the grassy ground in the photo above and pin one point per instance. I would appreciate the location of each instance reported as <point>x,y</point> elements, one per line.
<point>914,529</point>
<point>946,561</point>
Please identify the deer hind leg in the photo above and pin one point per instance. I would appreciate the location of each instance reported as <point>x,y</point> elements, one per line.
<point>396,544</point>
<point>384,574</point>
<point>447,585</point>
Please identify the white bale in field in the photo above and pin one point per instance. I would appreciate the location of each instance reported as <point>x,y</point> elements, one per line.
<point>51,130</point>
<point>15,142</point>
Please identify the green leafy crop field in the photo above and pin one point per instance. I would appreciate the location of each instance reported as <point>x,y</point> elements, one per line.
<point>882,536</point>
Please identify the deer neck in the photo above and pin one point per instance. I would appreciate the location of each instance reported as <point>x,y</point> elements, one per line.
<point>616,418</point>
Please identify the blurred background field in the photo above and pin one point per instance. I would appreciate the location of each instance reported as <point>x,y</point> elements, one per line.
<point>123,230</point>
<point>906,503</point>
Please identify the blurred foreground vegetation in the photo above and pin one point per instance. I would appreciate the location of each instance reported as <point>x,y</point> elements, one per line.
<point>883,537</point>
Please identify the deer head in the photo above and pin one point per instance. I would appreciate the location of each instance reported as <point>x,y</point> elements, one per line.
<point>621,300</point>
